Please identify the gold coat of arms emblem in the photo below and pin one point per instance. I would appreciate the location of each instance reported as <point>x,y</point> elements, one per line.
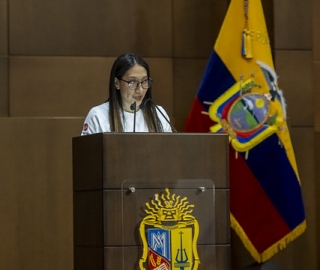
<point>169,233</point>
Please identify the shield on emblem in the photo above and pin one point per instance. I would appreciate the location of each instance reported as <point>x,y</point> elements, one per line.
<point>169,235</point>
<point>170,249</point>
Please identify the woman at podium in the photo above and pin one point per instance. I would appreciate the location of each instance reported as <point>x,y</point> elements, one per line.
<point>130,107</point>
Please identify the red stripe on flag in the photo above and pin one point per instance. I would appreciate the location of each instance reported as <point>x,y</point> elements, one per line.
<point>251,207</point>
<point>197,121</point>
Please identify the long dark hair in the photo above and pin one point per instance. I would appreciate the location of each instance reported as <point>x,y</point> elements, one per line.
<point>120,66</point>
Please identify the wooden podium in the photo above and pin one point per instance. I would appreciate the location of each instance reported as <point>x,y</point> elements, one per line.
<point>107,214</point>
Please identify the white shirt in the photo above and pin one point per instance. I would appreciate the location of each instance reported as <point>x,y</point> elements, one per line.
<point>97,121</point>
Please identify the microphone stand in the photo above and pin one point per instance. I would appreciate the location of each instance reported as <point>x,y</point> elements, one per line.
<point>149,99</point>
<point>133,107</point>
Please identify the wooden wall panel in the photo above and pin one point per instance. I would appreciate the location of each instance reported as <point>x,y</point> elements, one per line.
<point>4,58</point>
<point>162,74</point>
<point>57,86</point>
<point>3,27</point>
<point>92,28</point>
<point>268,8</point>
<point>294,69</point>
<point>4,97</point>
<point>316,62</point>
<point>293,24</point>
<point>302,253</point>
<point>188,75</point>
<point>36,193</point>
<point>70,86</point>
<point>317,182</point>
<point>316,95</point>
<point>195,27</point>
<point>316,31</point>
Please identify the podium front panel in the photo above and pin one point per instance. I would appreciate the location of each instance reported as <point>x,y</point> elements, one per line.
<point>105,230</point>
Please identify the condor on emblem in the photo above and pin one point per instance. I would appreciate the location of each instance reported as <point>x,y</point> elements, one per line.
<point>169,234</point>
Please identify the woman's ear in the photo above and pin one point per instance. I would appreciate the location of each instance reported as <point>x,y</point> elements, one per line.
<point>116,84</point>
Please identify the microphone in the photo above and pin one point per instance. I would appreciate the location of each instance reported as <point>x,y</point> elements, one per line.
<point>133,107</point>
<point>149,99</point>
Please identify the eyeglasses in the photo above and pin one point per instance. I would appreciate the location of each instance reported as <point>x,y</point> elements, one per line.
<point>134,84</point>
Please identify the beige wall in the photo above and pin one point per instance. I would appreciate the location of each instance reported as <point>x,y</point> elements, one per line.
<point>55,58</point>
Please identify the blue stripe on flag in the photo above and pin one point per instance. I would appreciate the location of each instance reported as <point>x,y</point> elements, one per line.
<point>214,83</point>
<point>278,179</point>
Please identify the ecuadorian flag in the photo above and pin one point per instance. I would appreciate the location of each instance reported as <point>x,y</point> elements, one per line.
<point>239,95</point>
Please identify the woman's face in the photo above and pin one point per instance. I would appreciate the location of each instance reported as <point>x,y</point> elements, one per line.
<point>129,96</point>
